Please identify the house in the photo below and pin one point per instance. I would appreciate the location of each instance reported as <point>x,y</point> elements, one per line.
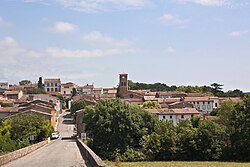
<point>205,104</point>
<point>175,115</point>
<point>4,85</point>
<point>13,94</point>
<point>67,89</point>
<point>180,104</point>
<point>97,91</point>
<point>87,89</point>
<point>8,111</point>
<point>52,85</point>
<point>48,98</point>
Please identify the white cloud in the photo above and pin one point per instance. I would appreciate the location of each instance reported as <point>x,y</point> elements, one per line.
<point>170,50</point>
<point>175,20</point>
<point>63,27</point>
<point>97,5</point>
<point>4,23</point>
<point>238,33</point>
<point>98,37</point>
<point>66,53</point>
<point>207,2</point>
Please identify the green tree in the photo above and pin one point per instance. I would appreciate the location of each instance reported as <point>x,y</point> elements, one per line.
<point>113,125</point>
<point>36,91</point>
<point>211,141</point>
<point>74,92</point>
<point>161,144</point>
<point>30,124</point>
<point>40,83</point>
<point>151,105</point>
<point>6,143</point>
<point>217,89</point>
<point>77,105</point>
<point>24,82</point>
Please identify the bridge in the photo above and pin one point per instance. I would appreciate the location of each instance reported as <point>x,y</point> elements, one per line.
<point>63,152</point>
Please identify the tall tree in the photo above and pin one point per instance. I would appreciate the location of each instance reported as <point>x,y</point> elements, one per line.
<point>24,82</point>
<point>217,89</point>
<point>40,83</point>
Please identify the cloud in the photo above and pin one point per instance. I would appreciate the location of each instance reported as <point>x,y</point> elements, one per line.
<point>238,33</point>
<point>98,37</point>
<point>63,27</point>
<point>170,50</point>
<point>206,2</point>
<point>66,53</point>
<point>174,20</point>
<point>4,23</point>
<point>97,5</point>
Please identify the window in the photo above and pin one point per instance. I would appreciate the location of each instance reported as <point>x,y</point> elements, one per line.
<point>55,84</point>
<point>64,92</point>
<point>47,89</point>
<point>56,90</point>
<point>51,84</point>
<point>208,102</point>
<point>170,116</point>
<point>48,84</point>
<point>192,115</point>
<point>164,117</point>
<point>216,105</point>
<point>182,116</point>
<point>208,107</point>
<point>204,107</point>
<point>203,102</point>
<point>52,89</point>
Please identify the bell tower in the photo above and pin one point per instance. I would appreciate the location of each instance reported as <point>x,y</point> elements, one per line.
<point>123,85</point>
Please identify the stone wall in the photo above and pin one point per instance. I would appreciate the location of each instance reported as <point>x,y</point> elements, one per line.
<point>93,159</point>
<point>4,159</point>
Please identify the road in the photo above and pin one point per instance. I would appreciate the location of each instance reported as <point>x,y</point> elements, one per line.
<point>62,152</point>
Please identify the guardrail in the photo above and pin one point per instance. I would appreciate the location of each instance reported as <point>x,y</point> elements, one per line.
<point>93,159</point>
<point>6,158</point>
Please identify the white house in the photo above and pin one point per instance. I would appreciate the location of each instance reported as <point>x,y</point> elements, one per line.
<point>67,89</point>
<point>4,85</point>
<point>52,85</point>
<point>175,115</point>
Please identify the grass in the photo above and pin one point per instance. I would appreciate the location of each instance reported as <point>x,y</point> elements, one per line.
<point>178,164</point>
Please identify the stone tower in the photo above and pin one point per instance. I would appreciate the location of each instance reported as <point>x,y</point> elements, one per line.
<point>123,85</point>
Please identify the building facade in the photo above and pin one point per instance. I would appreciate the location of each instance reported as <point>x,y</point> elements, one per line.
<point>52,85</point>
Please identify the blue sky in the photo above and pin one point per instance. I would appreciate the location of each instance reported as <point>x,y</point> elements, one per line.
<point>177,42</point>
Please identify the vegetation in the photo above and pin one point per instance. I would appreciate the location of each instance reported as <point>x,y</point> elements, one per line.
<point>179,164</point>
<point>214,89</point>
<point>16,133</point>
<point>77,105</point>
<point>151,105</point>
<point>35,91</point>
<point>125,132</point>
<point>6,104</point>
<point>40,83</point>
<point>24,82</point>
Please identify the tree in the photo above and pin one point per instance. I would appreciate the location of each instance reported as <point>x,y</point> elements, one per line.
<point>36,91</point>
<point>113,125</point>
<point>40,83</point>
<point>217,89</point>
<point>24,82</point>
<point>77,105</point>
<point>74,92</point>
<point>151,105</point>
<point>211,141</point>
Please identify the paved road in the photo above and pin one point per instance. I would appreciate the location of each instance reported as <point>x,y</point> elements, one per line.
<point>62,152</point>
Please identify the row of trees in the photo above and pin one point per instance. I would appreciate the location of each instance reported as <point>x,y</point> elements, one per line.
<point>213,89</point>
<point>129,133</point>
<point>23,130</point>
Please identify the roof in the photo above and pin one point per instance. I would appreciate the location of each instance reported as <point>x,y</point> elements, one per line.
<point>4,83</point>
<point>97,89</point>
<point>178,111</point>
<point>10,92</point>
<point>9,109</point>
<point>152,98</point>
<point>52,80</point>
<point>198,99</point>
<point>168,100</point>
<point>169,93</point>
<point>88,86</point>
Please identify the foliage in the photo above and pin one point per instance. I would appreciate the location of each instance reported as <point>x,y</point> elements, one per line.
<point>35,91</point>
<point>112,120</point>
<point>15,134</point>
<point>24,82</point>
<point>6,104</point>
<point>77,105</point>
<point>74,92</point>
<point>151,105</point>
<point>40,83</point>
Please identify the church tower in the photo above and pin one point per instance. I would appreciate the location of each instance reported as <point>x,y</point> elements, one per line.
<point>123,85</point>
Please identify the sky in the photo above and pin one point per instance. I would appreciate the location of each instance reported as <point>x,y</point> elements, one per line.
<point>176,42</point>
